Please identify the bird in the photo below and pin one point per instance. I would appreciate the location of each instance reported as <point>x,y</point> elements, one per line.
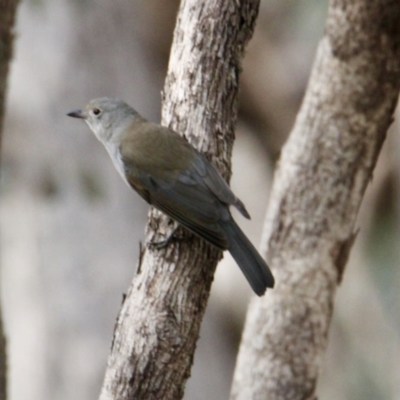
<point>174,177</point>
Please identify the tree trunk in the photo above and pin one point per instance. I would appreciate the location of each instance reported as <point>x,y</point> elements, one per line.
<point>7,17</point>
<point>158,326</point>
<point>322,175</point>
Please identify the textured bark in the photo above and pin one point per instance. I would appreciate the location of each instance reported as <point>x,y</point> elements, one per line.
<point>7,17</point>
<point>322,175</point>
<point>157,329</point>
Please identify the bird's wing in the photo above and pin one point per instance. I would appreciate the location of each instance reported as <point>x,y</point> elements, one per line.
<point>217,184</point>
<point>187,200</point>
<point>170,174</point>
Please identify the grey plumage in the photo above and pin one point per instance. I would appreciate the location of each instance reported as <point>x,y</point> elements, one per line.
<point>175,178</point>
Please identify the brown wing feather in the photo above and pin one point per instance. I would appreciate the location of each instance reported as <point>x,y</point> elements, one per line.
<point>193,206</point>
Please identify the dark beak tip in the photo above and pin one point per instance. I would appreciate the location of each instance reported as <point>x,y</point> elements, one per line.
<point>76,114</point>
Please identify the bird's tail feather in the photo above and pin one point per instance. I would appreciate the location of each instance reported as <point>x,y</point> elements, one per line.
<point>254,268</point>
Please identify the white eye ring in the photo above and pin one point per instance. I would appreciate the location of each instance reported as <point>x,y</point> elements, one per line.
<point>96,111</point>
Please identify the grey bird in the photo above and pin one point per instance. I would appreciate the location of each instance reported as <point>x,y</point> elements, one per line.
<point>174,177</point>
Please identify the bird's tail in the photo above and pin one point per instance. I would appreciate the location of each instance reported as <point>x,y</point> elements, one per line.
<point>254,268</point>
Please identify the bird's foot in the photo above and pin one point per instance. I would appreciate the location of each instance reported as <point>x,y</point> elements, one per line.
<point>161,244</point>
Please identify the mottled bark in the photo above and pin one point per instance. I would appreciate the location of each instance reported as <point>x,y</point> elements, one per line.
<point>321,178</point>
<point>7,17</point>
<point>157,329</point>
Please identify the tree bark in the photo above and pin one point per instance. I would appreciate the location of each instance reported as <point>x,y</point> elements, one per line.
<point>7,16</point>
<point>158,326</point>
<point>322,175</point>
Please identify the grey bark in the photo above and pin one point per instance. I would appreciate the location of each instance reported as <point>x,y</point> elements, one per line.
<point>319,184</point>
<point>7,17</point>
<point>158,326</point>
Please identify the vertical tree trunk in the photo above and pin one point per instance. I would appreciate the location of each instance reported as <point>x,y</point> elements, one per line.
<point>157,329</point>
<point>322,175</point>
<point>7,17</point>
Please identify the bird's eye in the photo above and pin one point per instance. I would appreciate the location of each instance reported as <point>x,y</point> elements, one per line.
<point>96,111</point>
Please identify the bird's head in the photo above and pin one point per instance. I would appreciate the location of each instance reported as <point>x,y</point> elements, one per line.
<point>107,117</point>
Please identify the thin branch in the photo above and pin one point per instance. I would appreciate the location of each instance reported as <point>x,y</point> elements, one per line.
<point>323,172</point>
<point>7,16</point>
<point>158,327</point>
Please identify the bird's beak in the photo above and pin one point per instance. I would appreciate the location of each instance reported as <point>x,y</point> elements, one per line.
<point>77,114</point>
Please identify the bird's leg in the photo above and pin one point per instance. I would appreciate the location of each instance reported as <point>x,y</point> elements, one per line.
<point>165,242</point>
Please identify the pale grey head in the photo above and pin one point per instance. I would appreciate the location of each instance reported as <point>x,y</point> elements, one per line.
<point>107,117</point>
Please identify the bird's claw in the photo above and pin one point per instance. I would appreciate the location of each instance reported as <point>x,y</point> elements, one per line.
<point>161,244</point>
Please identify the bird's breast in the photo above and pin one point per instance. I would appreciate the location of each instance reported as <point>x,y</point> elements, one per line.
<point>115,154</point>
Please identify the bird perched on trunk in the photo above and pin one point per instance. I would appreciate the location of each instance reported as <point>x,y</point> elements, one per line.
<point>174,177</point>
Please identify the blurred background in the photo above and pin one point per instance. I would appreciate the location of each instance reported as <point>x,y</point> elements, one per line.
<point>70,228</point>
